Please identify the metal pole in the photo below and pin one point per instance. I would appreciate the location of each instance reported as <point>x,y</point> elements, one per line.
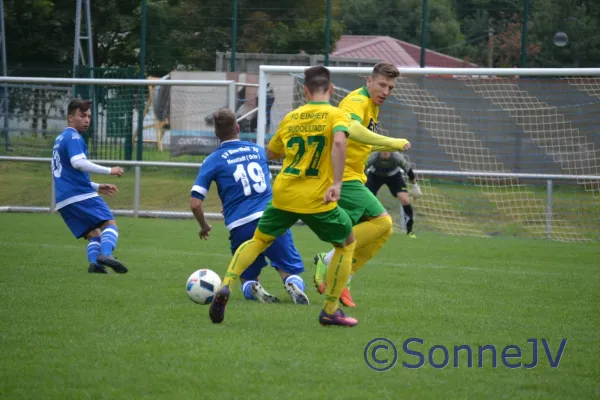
<point>262,107</point>
<point>231,96</point>
<point>77,48</point>
<point>52,193</point>
<point>140,135</point>
<point>5,73</point>
<point>234,35</point>
<point>327,32</point>
<point>524,34</point>
<point>136,191</point>
<point>88,24</point>
<point>88,17</point>
<point>424,32</point>
<point>491,47</point>
<point>549,207</point>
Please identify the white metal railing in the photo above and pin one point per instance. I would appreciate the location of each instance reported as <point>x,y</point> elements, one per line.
<point>136,212</point>
<point>231,91</point>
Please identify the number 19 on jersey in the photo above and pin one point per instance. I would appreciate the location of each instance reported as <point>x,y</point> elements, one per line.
<point>255,173</point>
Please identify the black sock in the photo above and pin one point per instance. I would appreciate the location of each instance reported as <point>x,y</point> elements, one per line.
<point>408,217</point>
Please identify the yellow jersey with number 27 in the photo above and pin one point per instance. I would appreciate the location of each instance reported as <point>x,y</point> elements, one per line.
<point>360,106</point>
<point>305,137</point>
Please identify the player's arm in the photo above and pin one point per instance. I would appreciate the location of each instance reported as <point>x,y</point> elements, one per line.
<point>198,211</point>
<point>357,107</point>
<point>271,155</point>
<point>105,188</point>
<point>404,164</point>
<point>78,159</point>
<point>83,164</point>
<point>377,148</point>
<point>197,195</point>
<point>338,157</point>
<point>359,133</point>
<point>370,167</point>
<point>276,150</point>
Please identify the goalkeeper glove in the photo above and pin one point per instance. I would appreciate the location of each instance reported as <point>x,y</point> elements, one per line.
<point>415,190</point>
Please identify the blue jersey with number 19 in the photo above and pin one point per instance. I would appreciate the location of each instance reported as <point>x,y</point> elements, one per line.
<point>241,172</point>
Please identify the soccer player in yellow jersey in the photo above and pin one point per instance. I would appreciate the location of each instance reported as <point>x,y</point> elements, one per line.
<point>372,224</point>
<point>312,142</point>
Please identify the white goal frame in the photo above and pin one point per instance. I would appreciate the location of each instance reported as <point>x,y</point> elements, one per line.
<point>478,73</point>
<point>264,70</point>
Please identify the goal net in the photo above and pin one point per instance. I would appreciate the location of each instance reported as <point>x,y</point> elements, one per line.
<point>495,154</point>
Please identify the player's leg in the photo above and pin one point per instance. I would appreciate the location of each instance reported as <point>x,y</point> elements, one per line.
<point>285,258</point>
<point>321,260</point>
<point>372,227</point>
<point>98,213</point>
<point>93,249</point>
<point>398,189</point>
<point>82,224</point>
<point>251,287</point>
<point>335,227</point>
<point>374,183</point>
<point>272,224</point>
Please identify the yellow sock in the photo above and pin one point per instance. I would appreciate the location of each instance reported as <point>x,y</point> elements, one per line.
<point>370,231</point>
<point>365,253</point>
<point>370,237</point>
<point>245,255</point>
<point>337,276</point>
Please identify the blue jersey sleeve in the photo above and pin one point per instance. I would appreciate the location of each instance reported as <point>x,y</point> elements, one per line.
<point>204,179</point>
<point>76,148</point>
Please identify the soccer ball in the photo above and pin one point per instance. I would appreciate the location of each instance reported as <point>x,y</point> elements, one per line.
<point>202,285</point>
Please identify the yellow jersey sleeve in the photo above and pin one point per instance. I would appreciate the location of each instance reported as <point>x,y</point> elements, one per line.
<point>341,121</point>
<point>276,143</point>
<point>355,105</point>
<point>362,109</point>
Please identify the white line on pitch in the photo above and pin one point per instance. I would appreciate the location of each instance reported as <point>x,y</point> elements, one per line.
<point>382,262</point>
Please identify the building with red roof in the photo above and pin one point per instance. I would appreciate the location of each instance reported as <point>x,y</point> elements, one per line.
<point>397,52</point>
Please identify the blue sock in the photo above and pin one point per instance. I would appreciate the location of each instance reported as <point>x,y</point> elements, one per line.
<point>246,290</point>
<point>296,280</point>
<point>93,248</point>
<point>109,237</point>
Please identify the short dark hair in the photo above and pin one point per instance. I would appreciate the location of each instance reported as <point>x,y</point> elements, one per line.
<point>317,79</point>
<point>78,104</point>
<point>385,69</point>
<point>225,123</point>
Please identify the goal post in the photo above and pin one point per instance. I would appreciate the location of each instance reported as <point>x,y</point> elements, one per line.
<point>497,152</point>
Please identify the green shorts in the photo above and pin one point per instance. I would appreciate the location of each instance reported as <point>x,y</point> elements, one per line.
<point>332,226</point>
<point>358,201</point>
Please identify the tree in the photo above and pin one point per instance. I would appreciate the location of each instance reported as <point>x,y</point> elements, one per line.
<point>509,45</point>
<point>401,19</point>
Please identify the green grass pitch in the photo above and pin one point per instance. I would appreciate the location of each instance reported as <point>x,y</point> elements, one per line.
<point>67,334</point>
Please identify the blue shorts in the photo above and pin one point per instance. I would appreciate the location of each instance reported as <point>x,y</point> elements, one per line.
<point>282,253</point>
<point>85,216</point>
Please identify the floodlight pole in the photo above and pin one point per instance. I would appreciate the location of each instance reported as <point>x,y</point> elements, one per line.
<point>142,75</point>
<point>524,34</point>
<point>327,32</point>
<point>234,35</point>
<point>5,73</point>
<point>424,31</point>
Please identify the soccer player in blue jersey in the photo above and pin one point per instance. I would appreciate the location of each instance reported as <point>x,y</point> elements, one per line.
<point>85,213</point>
<point>242,175</point>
